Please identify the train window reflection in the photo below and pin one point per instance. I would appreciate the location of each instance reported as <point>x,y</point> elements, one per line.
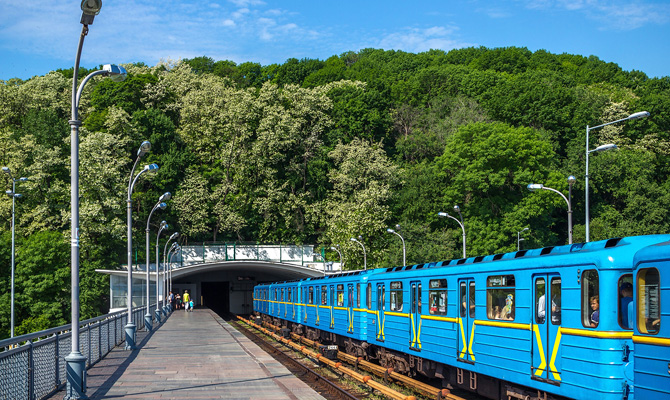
<point>437,296</point>
<point>396,296</point>
<point>648,301</point>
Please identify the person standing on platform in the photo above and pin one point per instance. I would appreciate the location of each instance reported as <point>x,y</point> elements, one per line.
<point>187,300</point>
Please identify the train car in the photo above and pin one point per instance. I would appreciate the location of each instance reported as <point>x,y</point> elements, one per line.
<point>543,323</point>
<point>651,322</point>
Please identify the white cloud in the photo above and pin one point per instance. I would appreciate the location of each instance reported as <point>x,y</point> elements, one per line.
<point>417,40</point>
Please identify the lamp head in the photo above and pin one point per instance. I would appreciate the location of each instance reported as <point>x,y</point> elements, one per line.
<point>9,193</point>
<point>442,214</point>
<point>144,148</point>
<point>389,230</point>
<point>525,229</point>
<point>18,195</point>
<point>353,240</point>
<point>174,236</point>
<point>571,180</point>
<point>638,115</point>
<point>162,206</point>
<point>457,208</point>
<point>23,179</point>
<point>90,8</point>
<point>360,237</point>
<point>165,197</point>
<point>164,225</point>
<point>333,248</point>
<point>115,72</point>
<point>6,170</point>
<point>151,167</point>
<point>605,147</point>
<point>535,186</point>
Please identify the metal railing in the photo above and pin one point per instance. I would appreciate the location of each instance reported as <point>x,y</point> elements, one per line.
<point>32,366</point>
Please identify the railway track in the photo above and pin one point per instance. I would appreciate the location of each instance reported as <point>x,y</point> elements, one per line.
<point>356,363</point>
<point>327,388</point>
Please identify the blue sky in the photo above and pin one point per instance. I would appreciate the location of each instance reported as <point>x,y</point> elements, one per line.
<point>38,36</point>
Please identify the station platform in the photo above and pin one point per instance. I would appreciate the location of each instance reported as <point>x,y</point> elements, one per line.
<point>195,355</point>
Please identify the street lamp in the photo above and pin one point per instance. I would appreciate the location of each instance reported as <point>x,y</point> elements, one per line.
<point>75,361</point>
<point>460,222</point>
<point>163,225</point>
<point>165,281</point>
<point>610,146</point>
<point>365,257</point>
<point>148,320</point>
<point>389,230</point>
<point>336,248</point>
<point>519,238</point>
<point>130,327</point>
<point>538,186</point>
<point>12,193</point>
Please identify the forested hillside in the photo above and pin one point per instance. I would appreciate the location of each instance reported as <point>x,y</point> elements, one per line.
<point>317,152</point>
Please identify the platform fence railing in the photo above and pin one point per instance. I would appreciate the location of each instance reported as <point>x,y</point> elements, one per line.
<point>32,366</point>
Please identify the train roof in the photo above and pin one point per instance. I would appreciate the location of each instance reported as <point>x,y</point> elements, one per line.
<point>616,250</point>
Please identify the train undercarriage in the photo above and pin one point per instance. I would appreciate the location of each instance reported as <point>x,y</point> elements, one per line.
<point>448,376</point>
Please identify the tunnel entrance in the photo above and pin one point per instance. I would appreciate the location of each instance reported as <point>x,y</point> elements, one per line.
<point>216,296</point>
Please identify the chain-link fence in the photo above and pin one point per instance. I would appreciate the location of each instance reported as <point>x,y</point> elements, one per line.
<point>32,366</point>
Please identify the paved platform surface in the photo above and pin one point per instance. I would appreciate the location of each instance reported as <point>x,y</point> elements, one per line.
<point>194,355</point>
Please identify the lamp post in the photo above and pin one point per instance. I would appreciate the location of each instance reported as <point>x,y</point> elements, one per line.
<point>365,257</point>
<point>12,193</point>
<point>460,222</point>
<point>336,248</point>
<point>610,146</point>
<point>519,238</point>
<point>173,250</point>
<point>389,230</point>
<point>165,281</point>
<point>538,186</point>
<point>163,225</point>
<point>75,361</point>
<point>148,320</point>
<point>130,327</point>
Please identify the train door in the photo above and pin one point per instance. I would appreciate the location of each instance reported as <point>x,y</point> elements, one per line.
<point>332,306</point>
<point>317,301</point>
<point>466,320</point>
<point>546,337</point>
<point>350,308</point>
<point>381,306</point>
<point>415,315</point>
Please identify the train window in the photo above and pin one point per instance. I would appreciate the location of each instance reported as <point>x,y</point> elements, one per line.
<point>381,297</point>
<point>369,296</point>
<point>437,296</point>
<point>282,298</point>
<point>540,289</point>
<point>648,301</point>
<point>340,295</point>
<point>463,294</point>
<point>290,297</point>
<point>358,295</point>
<point>590,298</point>
<point>556,301</point>
<point>324,295</point>
<point>311,295</point>
<point>396,296</point>
<point>625,301</point>
<point>500,294</point>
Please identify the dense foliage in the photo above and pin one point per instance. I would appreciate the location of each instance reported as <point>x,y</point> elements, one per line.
<point>314,151</point>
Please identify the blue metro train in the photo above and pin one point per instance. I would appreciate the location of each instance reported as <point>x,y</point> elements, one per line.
<point>576,321</point>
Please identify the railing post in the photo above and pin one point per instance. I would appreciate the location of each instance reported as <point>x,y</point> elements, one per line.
<point>31,371</point>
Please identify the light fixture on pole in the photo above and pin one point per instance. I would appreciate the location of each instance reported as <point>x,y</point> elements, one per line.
<point>12,193</point>
<point>163,225</point>
<point>389,230</point>
<point>610,146</point>
<point>167,305</point>
<point>130,327</point>
<point>519,238</point>
<point>538,186</point>
<point>460,222</point>
<point>336,248</point>
<point>75,361</point>
<point>365,256</point>
<point>148,320</point>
